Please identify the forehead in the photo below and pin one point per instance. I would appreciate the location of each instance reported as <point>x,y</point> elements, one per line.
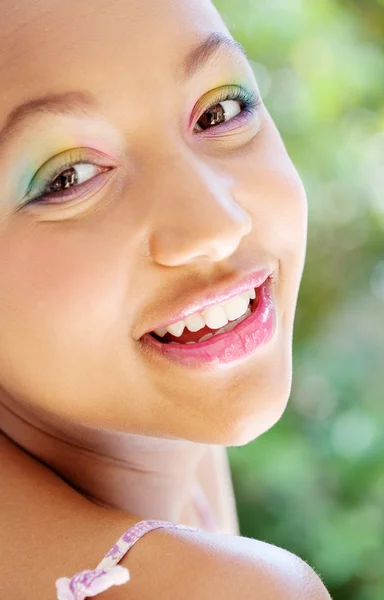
<point>50,46</point>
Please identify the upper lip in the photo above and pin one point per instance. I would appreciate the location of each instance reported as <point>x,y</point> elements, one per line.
<point>216,295</point>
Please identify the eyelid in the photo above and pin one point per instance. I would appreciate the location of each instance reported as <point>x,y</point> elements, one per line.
<point>228,92</point>
<point>71,156</point>
<point>89,189</point>
<point>251,99</point>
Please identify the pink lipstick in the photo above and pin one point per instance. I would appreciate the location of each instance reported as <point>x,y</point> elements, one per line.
<point>254,331</point>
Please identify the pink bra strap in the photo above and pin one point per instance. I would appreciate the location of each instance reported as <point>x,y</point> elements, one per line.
<point>89,583</point>
<point>131,536</point>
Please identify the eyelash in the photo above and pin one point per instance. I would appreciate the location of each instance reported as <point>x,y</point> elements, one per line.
<point>249,100</point>
<point>72,159</point>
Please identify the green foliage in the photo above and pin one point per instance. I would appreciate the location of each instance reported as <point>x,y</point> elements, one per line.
<point>314,483</point>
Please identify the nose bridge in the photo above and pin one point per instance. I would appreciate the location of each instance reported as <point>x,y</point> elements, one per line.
<point>195,213</point>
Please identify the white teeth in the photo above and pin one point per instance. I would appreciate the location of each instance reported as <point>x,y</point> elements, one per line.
<point>235,307</point>
<point>161,332</point>
<point>177,328</point>
<point>206,337</point>
<point>194,322</point>
<point>233,324</point>
<point>215,317</point>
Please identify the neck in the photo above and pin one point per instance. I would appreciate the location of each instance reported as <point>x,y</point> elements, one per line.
<point>140,475</point>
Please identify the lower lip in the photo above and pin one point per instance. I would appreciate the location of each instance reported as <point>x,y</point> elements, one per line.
<point>224,348</point>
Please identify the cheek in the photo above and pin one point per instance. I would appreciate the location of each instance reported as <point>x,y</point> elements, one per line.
<point>60,290</point>
<point>270,189</point>
<point>283,209</point>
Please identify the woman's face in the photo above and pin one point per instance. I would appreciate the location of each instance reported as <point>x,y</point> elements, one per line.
<point>171,199</point>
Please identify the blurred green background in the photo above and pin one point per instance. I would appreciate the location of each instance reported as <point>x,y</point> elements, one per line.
<point>314,483</point>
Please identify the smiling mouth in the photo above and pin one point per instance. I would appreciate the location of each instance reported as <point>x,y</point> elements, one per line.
<point>224,347</point>
<point>194,337</point>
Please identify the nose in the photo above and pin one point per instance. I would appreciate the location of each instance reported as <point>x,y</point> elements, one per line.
<point>196,215</point>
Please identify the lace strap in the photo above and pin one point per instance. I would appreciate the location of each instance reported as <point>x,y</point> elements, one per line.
<point>89,583</point>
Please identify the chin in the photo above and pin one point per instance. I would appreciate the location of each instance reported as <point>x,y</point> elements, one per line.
<point>252,430</point>
<point>257,412</point>
<point>245,431</point>
<point>261,409</point>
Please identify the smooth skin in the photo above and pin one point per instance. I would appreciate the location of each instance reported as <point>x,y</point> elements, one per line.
<point>177,213</point>
<point>57,532</point>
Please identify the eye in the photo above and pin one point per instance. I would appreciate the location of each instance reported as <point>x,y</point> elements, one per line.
<point>232,104</point>
<point>219,113</point>
<point>73,176</point>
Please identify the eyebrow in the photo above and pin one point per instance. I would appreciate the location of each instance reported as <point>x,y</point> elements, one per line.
<point>214,43</point>
<point>76,102</point>
<point>67,103</point>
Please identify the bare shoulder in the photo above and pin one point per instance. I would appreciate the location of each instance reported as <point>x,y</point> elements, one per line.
<point>187,565</point>
<point>48,530</point>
